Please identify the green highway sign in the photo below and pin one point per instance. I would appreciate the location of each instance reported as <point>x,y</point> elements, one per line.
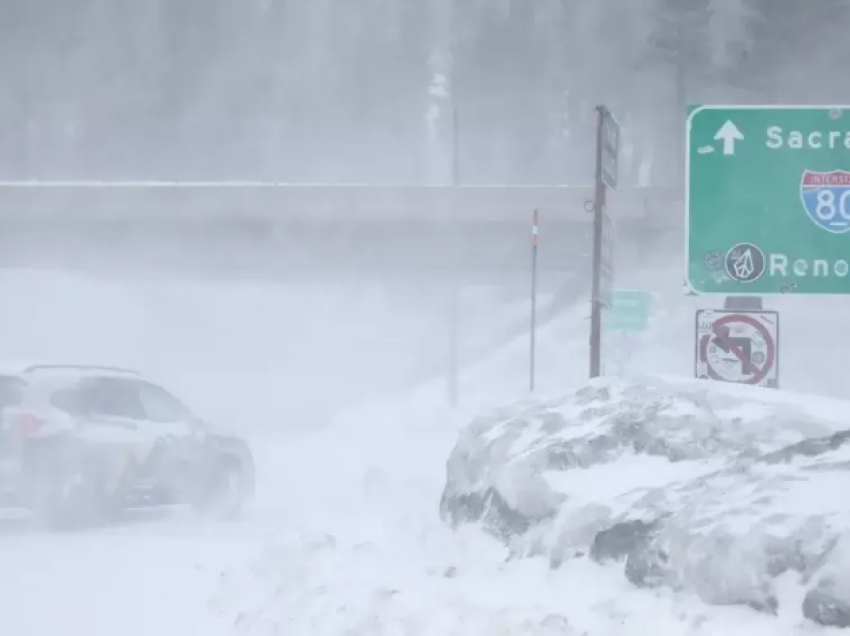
<point>767,200</point>
<point>629,311</point>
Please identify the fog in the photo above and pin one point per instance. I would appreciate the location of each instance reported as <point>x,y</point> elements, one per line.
<point>311,221</point>
<point>280,305</point>
<point>343,90</point>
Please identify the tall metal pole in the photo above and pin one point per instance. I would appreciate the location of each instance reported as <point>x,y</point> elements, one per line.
<point>533,337</point>
<point>454,301</point>
<point>596,301</point>
<point>681,98</point>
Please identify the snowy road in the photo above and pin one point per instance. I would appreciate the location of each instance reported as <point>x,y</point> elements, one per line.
<point>151,574</point>
<point>138,582</point>
<point>158,572</point>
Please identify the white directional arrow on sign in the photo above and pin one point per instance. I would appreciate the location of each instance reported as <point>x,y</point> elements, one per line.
<point>729,134</point>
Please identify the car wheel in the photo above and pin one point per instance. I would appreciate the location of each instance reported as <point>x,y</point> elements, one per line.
<point>65,499</point>
<point>224,496</point>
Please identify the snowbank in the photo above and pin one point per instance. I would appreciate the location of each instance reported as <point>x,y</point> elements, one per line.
<point>360,550</point>
<point>706,488</point>
<point>318,584</point>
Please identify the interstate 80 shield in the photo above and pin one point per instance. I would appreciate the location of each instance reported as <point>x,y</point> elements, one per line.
<point>826,199</point>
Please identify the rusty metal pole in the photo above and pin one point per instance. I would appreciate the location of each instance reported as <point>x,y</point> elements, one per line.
<point>596,301</point>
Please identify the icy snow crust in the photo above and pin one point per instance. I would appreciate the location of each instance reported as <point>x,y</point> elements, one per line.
<point>713,490</point>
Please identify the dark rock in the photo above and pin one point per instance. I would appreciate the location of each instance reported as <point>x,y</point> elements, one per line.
<point>822,607</point>
<point>620,540</point>
<point>808,448</point>
<point>768,605</point>
<point>646,566</point>
<point>488,507</point>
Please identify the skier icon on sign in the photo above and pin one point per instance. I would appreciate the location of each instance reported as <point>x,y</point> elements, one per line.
<point>745,262</point>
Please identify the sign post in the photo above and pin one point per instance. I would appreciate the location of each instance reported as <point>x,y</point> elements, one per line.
<point>768,200</point>
<point>607,165</point>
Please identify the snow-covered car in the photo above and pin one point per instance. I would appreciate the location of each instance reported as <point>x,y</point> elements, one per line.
<point>79,443</point>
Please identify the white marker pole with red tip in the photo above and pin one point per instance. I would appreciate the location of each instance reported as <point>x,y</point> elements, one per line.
<point>534,233</point>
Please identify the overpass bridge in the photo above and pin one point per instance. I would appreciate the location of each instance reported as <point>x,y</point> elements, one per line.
<point>331,231</point>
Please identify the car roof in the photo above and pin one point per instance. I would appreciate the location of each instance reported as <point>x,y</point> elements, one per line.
<point>78,369</point>
<point>38,370</point>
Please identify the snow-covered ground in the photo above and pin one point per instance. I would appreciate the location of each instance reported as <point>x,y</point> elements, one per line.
<point>366,554</point>
<point>150,577</point>
<point>345,537</point>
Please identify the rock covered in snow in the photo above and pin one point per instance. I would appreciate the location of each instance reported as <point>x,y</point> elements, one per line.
<point>828,599</point>
<point>728,535</point>
<point>698,486</point>
<point>520,465</point>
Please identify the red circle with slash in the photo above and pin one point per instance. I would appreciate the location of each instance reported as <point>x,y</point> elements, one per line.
<point>720,330</point>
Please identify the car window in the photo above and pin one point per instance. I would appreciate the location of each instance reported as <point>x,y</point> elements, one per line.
<point>161,406</point>
<point>12,389</point>
<point>113,397</point>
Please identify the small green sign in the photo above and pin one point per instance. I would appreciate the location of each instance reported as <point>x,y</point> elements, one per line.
<point>767,200</point>
<point>629,311</point>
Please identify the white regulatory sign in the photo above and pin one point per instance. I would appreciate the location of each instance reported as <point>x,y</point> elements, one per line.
<point>737,346</point>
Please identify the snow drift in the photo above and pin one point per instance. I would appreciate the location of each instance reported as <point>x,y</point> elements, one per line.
<point>699,487</point>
